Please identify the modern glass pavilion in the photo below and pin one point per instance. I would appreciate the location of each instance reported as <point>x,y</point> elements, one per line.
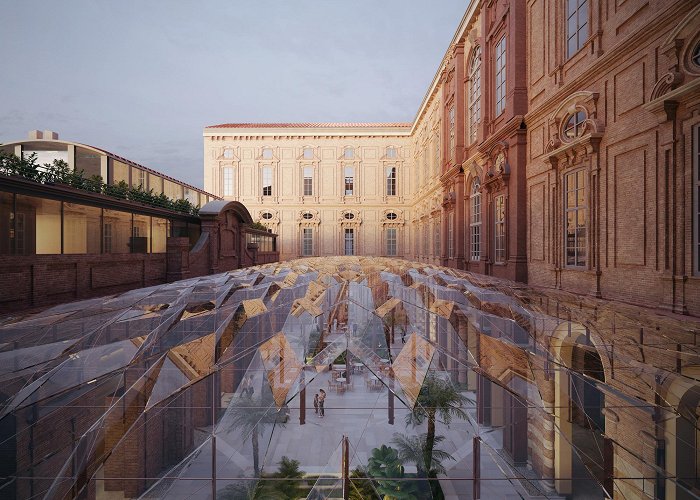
<point>433,382</point>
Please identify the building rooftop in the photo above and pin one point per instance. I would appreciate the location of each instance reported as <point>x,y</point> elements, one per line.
<point>313,125</point>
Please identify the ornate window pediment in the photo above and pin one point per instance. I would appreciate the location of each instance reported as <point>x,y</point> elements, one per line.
<point>498,167</point>
<point>350,218</point>
<point>393,217</point>
<point>575,129</point>
<point>308,218</point>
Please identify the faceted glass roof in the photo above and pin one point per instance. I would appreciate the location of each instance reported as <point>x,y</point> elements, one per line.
<point>432,382</point>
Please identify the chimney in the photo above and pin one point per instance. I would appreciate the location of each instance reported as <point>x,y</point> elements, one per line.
<point>50,135</point>
<point>35,134</point>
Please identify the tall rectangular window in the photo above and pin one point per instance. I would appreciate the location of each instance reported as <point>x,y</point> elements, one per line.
<point>391,181</point>
<point>349,241</point>
<point>424,237</point>
<point>501,76</point>
<point>474,94</point>
<point>475,223</point>
<point>308,181</point>
<point>437,152</point>
<point>452,132</point>
<point>267,181</point>
<point>391,241</point>
<point>307,242</point>
<point>500,229</point>
<point>228,181</point>
<point>575,210</point>
<point>450,235</point>
<point>349,174</point>
<point>576,25</point>
<point>696,198</point>
<point>436,242</point>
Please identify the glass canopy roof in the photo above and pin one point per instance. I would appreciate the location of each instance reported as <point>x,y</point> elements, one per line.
<point>331,378</point>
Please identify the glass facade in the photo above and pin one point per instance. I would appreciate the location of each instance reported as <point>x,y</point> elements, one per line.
<point>81,229</point>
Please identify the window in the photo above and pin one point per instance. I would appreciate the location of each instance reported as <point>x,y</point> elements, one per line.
<point>574,125</point>
<point>474,94</point>
<point>308,181</point>
<point>575,210</point>
<point>266,215</point>
<point>437,151</point>
<point>452,132</point>
<point>349,153</point>
<point>475,222</point>
<point>267,181</point>
<point>436,242</point>
<point>391,152</point>
<point>349,181</point>
<point>501,76</point>
<point>391,241</point>
<point>267,153</point>
<point>695,58</point>
<point>228,153</point>
<point>424,238</point>
<point>107,237</point>
<point>308,153</point>
<point>391,181</point>
<point>228,181</point>
<point>349,216</point>
<point>696,200</point>
<point>450,235</point>
<point>307,215</point>
<point>349,241</point>
<point>307,242</point>
<point>391,216</point>
<point>576,25</point>
<point>500,229</point>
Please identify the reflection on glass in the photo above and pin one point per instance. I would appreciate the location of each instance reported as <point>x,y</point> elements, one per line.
<point>39,228</point>
<point>81,229</point>
<point>116,231</point>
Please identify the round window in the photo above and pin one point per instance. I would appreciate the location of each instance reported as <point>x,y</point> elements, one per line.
<point>391,216</point>
<point>574,125</point>
<point>349,216</point>
<point>695,58</point>
<point>308,215</point>
<point>267,215</point>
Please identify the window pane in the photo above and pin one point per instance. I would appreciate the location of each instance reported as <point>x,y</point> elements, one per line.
<point>160,235</point>
<point>116,231</point>
<point>138,178</point>
<point>155,183</point>
<point>228,181</point>
<point>81,229</point>
<point>120,172</point>
<point>41,221</point>
<point>89,161</point>
<point>140,240</point>
<point>46,152</point>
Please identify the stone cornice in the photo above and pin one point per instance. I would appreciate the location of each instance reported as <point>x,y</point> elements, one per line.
<point>683,93</point>
<point>604,63</point>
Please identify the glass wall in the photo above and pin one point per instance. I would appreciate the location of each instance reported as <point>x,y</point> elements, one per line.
<point>81,229</point>
<point>7,223</point>
<point>38,226</point>
<point>46,152</point>
<point>89,161</point>
<point>141,234</point>
<point>159,234</point>
<point>265,243</point>
<point>120,172</point>
<point>116,231</point>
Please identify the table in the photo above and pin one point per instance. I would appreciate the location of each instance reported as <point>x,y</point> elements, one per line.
<point>358,366</point>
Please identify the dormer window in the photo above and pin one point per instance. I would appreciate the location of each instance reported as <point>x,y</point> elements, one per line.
<point>267,153</point>
<point>349,153</point>
<point>574,125</point>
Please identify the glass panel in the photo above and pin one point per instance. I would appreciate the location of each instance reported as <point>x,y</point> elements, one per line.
<point>81,229</point>
<point>160,235</point>
<point>89,161</point>
<point>116,231</point>
<point>120,172</point>
<point>41,219</point>
<point>8,234</point>
<point>141,234</point>
<point>139,178</point>
<point>46,152</point>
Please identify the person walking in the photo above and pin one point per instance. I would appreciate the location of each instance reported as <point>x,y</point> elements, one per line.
<point>316,403</point>
<point>321,401</point>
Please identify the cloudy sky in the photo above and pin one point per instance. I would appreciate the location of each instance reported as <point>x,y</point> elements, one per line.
<point>142,78</point>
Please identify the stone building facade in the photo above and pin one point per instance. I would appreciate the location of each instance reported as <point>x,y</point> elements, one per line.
<point>556,145</point>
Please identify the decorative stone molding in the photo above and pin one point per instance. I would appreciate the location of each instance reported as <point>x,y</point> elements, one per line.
<point>396,222</point>
<point>312,221</point>
<point>350,218</point>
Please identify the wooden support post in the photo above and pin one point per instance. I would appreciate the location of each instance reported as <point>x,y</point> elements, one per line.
<point>346,468</point>
<point>476,455</point>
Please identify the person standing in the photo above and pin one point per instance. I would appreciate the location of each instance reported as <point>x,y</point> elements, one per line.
<point>316,403</point>
<point>321,401</point>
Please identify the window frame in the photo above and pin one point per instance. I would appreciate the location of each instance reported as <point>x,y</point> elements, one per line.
<point>500,75</point>
<point>499,229</point>
<point>391,176</point>
<point>307,242</point>
<point>391,242</point>
<point>266,173</point>
<point>307,181</point>
<point>227,176</point>
<point>349,231</point>
<point>452,114</point>
<point>475,222</point>
<point>450,235</point>
<point>345,180</point>
<point>695,139</point>
<point>575,209</point>
<point>581,38</point>
<point>474,96</point>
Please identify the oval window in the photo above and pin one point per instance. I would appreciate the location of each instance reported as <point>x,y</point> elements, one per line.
<point>308,215</point>
<point>574,125</point>
<point>267,215</point>
<point>349,216</point>
<point>391,216</point>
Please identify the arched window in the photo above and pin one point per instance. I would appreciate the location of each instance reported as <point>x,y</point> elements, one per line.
<point>474,94</point>
<point>475,221</point>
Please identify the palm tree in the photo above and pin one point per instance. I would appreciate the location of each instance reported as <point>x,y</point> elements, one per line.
<point>412,449</point>
<point>437,397</point>
<point>385,466</point>
<point>252,416</point>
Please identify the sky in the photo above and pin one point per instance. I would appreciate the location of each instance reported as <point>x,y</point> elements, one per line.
<point>142,79</point>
